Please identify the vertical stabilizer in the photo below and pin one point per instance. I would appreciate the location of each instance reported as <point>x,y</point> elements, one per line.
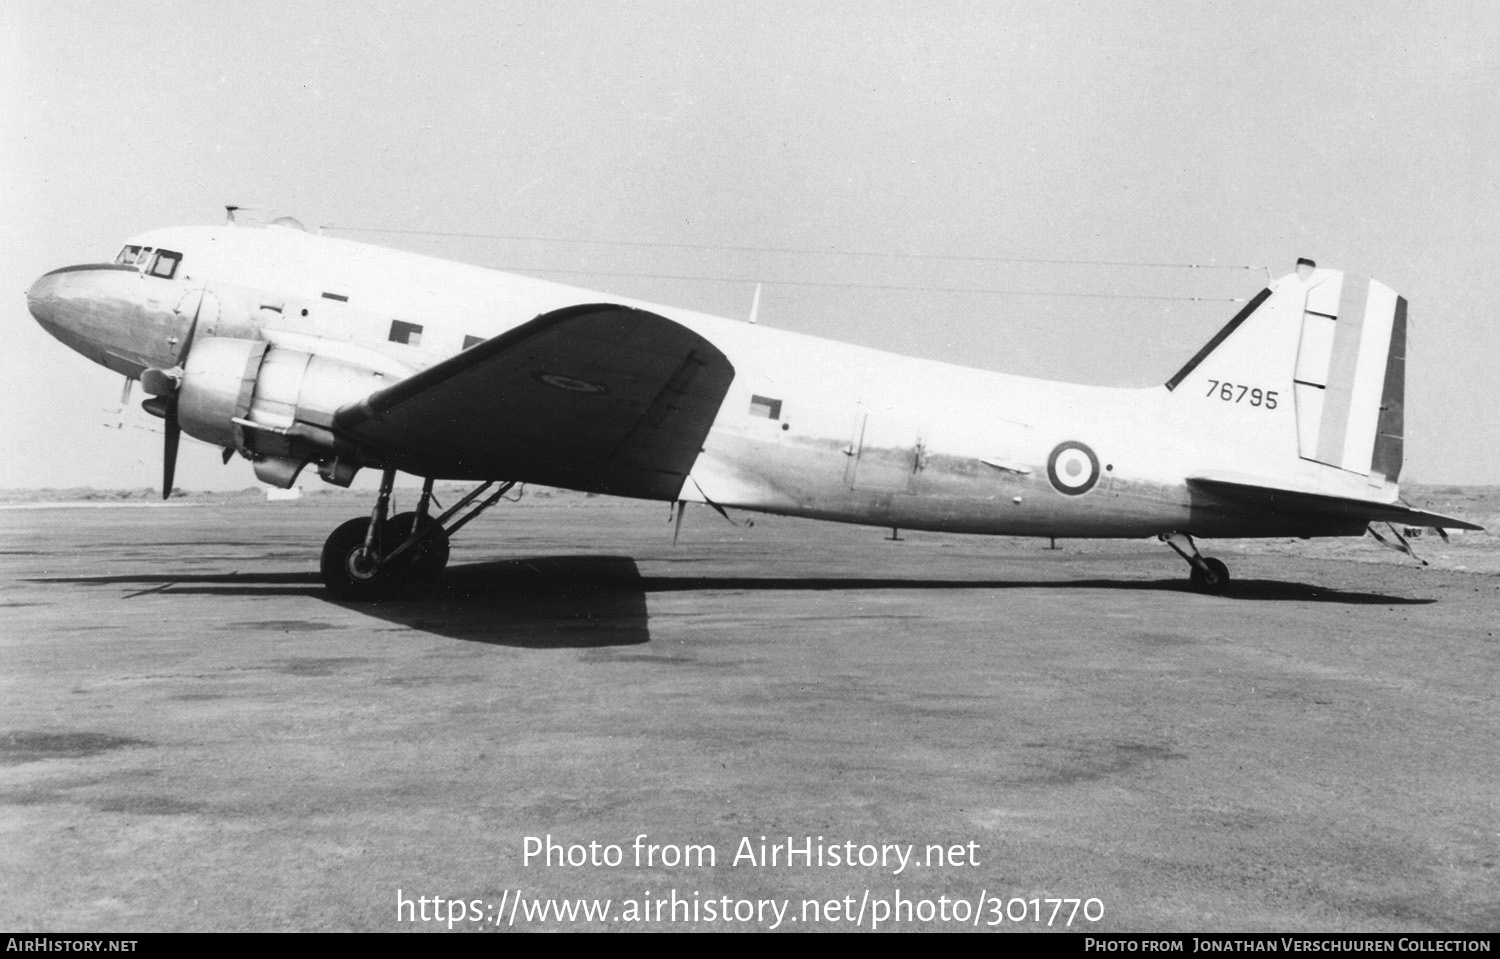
<point>1327,347</point>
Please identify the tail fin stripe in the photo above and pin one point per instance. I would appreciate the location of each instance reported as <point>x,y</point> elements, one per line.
<point>1339,395</point>
<point>1389,437</point>
<point>1369,379</point>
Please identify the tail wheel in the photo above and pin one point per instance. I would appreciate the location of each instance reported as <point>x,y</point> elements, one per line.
<point>422,562</point>
<point>1214,580</point>
<point>350,571</point>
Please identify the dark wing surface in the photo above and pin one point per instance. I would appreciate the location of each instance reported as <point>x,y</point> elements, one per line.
<point>596,397</point>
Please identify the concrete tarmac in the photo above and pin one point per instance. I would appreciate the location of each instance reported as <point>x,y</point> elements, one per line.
<point>194,737</point>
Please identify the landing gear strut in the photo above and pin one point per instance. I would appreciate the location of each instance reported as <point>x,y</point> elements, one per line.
<point>1209,575</point>
<point>370,557</point>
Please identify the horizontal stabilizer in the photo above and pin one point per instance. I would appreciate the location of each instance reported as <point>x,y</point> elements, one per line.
<point>1282,501</point>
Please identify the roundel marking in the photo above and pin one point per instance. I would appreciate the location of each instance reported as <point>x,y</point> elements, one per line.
<point>1073,468</point>
<point>571,384</point>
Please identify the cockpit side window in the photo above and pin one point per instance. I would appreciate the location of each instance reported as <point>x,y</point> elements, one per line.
<point>128,254</point>
<point>165,264</point>
<point>143,254</point>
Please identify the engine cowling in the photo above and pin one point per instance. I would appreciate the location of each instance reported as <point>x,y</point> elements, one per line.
<point>272,403</point>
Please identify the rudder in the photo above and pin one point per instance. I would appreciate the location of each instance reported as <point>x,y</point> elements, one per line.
<point>1350,381</point>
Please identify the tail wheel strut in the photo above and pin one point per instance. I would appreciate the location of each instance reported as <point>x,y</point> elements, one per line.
<point>1208,575</point>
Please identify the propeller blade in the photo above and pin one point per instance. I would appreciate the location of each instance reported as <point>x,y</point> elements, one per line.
<point>169,449</point>
<point>168,406</point>
<point>187,338</point>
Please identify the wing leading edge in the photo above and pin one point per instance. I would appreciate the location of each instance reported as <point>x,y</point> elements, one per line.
<point>596,397</point>
<point>1284,502</point>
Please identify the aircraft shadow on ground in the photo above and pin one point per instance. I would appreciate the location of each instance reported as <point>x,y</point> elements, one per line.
<point>542,602</point>
<point>1250,589</point>
<point>555,602</point>
<point>592,601</point>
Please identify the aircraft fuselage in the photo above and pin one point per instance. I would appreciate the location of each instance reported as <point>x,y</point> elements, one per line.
<point>809,427</point>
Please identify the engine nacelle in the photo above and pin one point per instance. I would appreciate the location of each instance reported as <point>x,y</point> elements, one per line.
<point>271,403</point>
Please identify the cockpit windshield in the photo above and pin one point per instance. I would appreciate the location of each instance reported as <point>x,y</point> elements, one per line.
<point>164,264</point>
<point>134,255</point>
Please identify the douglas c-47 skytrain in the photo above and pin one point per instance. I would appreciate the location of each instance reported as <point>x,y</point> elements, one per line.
<point>296,350</point>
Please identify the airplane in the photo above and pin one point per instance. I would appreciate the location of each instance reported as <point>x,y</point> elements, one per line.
<point>292,349</point>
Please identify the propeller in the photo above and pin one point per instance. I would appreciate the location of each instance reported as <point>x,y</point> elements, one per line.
<point>163,385</point>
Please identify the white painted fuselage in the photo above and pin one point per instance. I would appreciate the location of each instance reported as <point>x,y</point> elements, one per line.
<point>810,427</point>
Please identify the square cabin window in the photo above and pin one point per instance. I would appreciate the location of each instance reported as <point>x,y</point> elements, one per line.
<point>165,264</point>
<point>408,333</point>
<point>765,406</point>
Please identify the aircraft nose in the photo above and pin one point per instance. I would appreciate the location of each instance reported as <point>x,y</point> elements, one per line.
<point>94,308</point>
<point>41,300</point>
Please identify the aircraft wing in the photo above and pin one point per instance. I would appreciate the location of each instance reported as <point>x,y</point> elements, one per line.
<point>596,397</point>
<point>1282,501</point>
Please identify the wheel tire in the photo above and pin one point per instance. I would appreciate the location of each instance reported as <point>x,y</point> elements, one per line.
<point>425,562</point>
<point>434,559</point>
<point>1215,581</point>
<point>345,573</point>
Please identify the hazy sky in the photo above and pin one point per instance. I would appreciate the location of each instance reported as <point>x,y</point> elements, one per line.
<point>1364,135</point>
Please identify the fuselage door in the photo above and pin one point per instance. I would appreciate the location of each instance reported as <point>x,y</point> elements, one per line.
<point>885,455</point>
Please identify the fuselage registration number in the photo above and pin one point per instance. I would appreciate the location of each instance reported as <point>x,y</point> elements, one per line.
<point>1239,393</point>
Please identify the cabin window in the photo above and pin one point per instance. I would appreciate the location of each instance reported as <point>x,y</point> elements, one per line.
<point>472,341</point>
<point>165,264</point>
<point>408,333</point>
<point>765,406</point>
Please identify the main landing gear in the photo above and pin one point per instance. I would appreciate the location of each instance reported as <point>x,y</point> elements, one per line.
<point>370,557</point>
<point>1209,575</point>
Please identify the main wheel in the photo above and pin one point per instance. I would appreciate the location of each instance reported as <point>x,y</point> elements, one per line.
<point>1214,581</point>
<point>424,562</point>
<point>349,571</point>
